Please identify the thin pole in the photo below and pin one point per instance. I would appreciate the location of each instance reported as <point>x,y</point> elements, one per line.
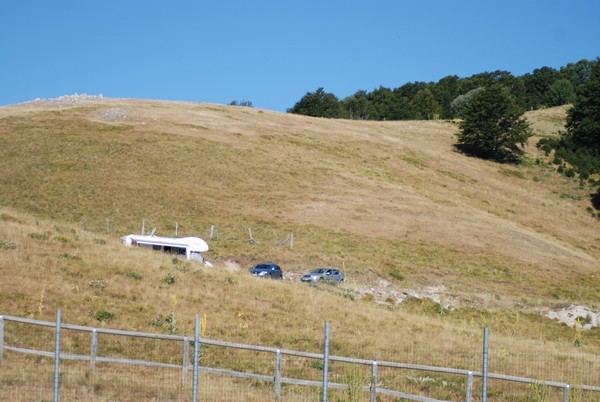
<point>484,371</point>
<point>278,374</point>
<point>57,355</point>
<point>94,350</point>
<point>1,337</point>
<point>196,357</point>
<point>373,382</point>
<point>469,387</point>
<point>325,363</point>
<point>186,360</point>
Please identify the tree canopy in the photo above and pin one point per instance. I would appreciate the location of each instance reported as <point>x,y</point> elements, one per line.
<point>579,146</point>
<point>493,126</point>
<point>318,104</point>
<point>543,87</point>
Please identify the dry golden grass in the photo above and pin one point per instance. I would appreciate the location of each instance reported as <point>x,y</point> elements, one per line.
<point>391,202</point>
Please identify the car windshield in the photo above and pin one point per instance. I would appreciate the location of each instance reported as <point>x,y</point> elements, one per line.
<point>319,271</point>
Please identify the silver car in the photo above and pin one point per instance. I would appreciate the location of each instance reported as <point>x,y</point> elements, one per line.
<point>324,274</point>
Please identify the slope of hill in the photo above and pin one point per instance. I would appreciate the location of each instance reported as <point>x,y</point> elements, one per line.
<point>393,203</point>
<point>398,184</point>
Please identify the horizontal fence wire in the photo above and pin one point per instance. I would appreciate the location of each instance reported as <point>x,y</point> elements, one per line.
<point>112,364</point>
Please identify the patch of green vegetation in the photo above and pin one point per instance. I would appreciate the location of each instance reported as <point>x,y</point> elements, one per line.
<point>6,245</point>
<point>571,197</point>
<point>70,257</point>
<point>169,279</point>
<point>40,236</point>
<point>413,160</point>
<point>63,239</point>
<point>98,284</point>
<point>131,274</point>
<point>103,315</point>
<point>512,173</point>
<point>12,296</point>
<point>396,274</point>
<point>457,176</point>
<point>9,218</point>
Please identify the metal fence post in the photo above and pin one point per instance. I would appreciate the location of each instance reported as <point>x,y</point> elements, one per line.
<point>94,349</point>
<point>185,361</point>
<point>469,387</point>
<point>373,382</point>
<point>325,363</point>
<point>1,337</point>
<point>196,358</point>
<point>57,355</point>
<point>566,393</point>
<point>484,372</point>
<point>278,374</point>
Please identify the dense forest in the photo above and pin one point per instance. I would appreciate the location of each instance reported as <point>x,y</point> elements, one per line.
<point>544,87</point>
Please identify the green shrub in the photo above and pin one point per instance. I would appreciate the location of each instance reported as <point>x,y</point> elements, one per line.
<point>169,279</point>
<point>5,245</point>
<point>103,315</point>
<point>132,275</point>
<point>396,274</point>
<point>40,236</point>
<point>98,284</point>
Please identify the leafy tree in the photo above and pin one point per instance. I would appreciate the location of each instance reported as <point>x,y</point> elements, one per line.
<point>245,103</point>
<point>577,73</point>
<point>318,104</point>
<point>579,146</point>
<point>357,106</point>
<point>583,119</point>
<point>387,105</point>
<point>537,85</point>
<point>459,105</point>
<point>445,91</point>
<point>493,126</point>
<point>560,92</point>
<point>426,105</point>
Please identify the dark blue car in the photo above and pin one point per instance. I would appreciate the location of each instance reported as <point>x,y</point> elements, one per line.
<point>267,270</point>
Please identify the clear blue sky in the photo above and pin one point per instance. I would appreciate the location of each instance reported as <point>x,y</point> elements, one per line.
<point>273,52</point>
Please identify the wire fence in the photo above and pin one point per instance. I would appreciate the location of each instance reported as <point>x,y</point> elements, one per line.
<point>43,361</point>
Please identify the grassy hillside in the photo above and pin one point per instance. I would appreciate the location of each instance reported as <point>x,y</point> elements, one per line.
<point>407,217</point>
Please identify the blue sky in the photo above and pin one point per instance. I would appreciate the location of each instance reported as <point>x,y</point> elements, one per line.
<point>273,52</point>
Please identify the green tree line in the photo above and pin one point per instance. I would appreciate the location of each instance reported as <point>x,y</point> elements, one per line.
<point>445,99</point>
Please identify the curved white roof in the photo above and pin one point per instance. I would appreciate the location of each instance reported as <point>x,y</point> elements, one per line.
<point>192,243</point>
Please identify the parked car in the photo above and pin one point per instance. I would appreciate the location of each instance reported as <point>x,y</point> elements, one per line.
<point>267,270</point>
<point>323,274</point>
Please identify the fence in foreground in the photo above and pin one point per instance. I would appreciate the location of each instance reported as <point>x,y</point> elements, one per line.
<point>88,363</point>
